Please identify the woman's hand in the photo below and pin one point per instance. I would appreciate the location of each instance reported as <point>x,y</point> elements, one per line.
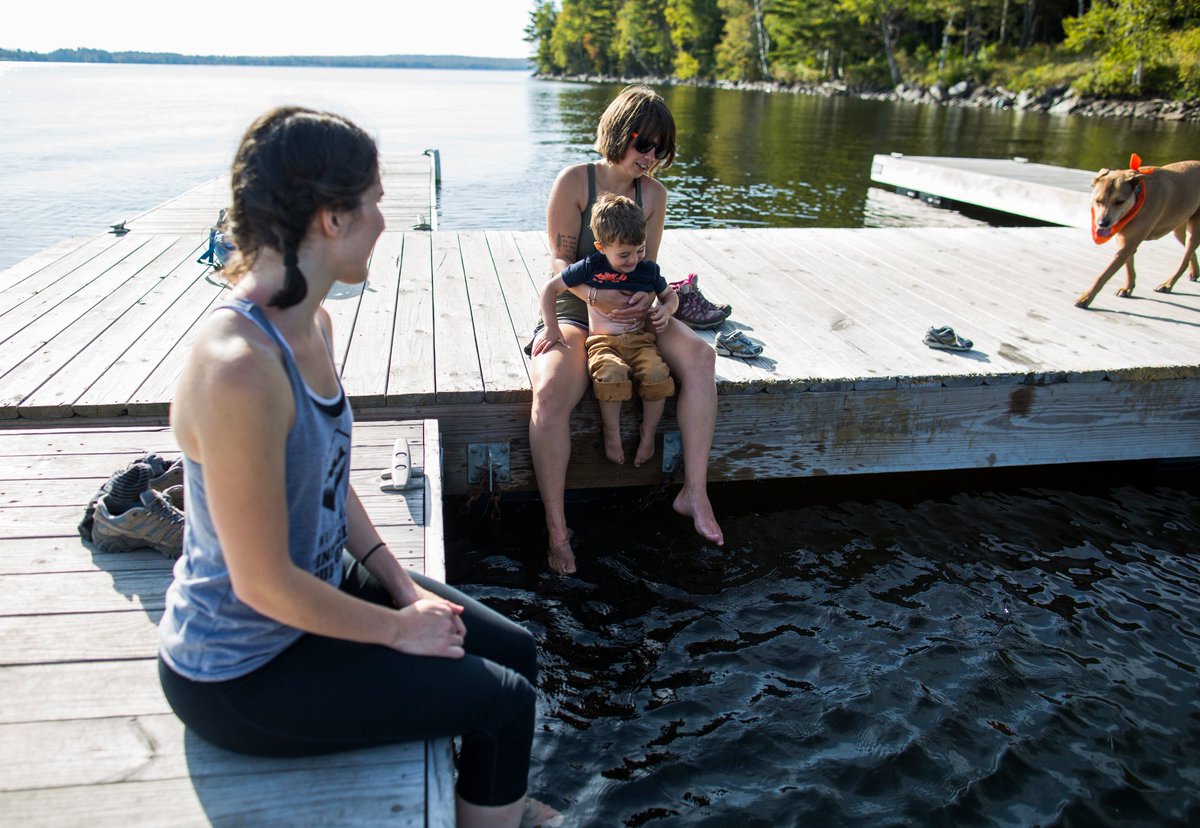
<point>632,311</point>
<point>430,626</point>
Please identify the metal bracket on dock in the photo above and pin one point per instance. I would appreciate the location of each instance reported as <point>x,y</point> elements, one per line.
<point>487,460</point>
<point>672,452</point>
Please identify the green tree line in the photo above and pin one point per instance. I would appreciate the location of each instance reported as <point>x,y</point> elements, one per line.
<point>1098,47</point>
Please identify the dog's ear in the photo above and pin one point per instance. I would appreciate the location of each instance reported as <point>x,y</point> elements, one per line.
<point>1100,175</point>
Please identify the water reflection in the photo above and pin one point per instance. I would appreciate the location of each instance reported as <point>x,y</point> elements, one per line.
<point>781,160</point>
<point>955,649</point>
<point>747,159</point>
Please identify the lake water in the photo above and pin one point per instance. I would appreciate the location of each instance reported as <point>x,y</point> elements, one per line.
<point>85,146</point>
<point>1010,647</point>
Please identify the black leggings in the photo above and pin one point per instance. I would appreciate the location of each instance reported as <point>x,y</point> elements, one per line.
<point>323,695</point>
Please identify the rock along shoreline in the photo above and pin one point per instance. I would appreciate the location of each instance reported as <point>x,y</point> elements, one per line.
<point>1056,101</point>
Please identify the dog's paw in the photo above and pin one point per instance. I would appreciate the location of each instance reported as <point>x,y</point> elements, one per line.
<point>1124,293</point>
<point>1163,289</point>
<point>1083,301</point>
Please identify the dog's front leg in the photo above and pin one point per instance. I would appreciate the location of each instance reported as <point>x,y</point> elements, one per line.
<point>1124,254</point>
<point>1130,278</point>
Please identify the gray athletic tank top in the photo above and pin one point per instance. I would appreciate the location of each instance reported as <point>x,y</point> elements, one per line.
<point>206,632</point>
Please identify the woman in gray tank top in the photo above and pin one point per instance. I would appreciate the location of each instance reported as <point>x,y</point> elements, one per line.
<point>635,137</point>
<point>289,628</point>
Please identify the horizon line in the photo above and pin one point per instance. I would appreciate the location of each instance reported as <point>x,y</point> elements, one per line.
<point>263,57</point>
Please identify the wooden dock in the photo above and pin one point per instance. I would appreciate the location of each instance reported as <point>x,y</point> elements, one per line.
<point>94,332</point>
<point>1056,195</point>
<point>86,736</point>
<point>98,329</point>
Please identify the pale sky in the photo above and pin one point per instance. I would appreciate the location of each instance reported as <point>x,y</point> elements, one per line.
<point>483,28</point>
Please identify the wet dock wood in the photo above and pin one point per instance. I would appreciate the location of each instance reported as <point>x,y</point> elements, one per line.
<point>85,733</point>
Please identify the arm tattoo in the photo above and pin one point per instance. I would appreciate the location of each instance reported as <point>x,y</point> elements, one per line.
<point>564,247</point>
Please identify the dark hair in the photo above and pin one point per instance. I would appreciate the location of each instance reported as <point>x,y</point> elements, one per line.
<point>637,109</point>
<point>292,162</point>
<point>618,220</point>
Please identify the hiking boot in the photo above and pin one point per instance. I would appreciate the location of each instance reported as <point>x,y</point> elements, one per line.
<point>695,310</point>
<point>124,487</point>
<point>152,523</point>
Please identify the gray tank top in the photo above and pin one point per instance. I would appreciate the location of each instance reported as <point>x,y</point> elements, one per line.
<point>206,632</point>
<point>587,239</point>
<point>568,305</point>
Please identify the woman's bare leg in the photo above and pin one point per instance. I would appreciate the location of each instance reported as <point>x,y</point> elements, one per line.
<point>560,379</point>
<point>693,363</point>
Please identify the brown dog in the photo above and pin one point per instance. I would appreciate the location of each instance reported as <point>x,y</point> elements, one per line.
<point>1145,203</point>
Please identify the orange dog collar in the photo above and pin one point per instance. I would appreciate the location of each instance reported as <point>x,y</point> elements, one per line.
<point>1135,164</point>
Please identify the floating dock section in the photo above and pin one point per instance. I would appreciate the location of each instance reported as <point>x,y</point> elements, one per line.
<point>1055,195</point>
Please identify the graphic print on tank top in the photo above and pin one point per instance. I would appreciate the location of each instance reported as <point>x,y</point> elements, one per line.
<point>333,534</point>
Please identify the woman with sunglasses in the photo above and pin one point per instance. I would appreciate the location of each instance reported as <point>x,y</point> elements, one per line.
<point>635,137</point>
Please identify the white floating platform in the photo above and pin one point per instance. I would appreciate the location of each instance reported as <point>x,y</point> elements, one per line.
<point>1057,195</point>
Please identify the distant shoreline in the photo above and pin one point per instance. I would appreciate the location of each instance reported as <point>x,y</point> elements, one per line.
<point>1057,101</point>
<point>323,61</point>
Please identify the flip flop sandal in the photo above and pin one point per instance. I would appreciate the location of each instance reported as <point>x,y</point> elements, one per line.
<point>737,344</point>
<point>945,339</point>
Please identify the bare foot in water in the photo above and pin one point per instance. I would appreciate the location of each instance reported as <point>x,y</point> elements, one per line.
<point>613,449</point>
<point>700,511</point>
<point>561,557</point>
<point>540,815</point>
<point>645,449</point>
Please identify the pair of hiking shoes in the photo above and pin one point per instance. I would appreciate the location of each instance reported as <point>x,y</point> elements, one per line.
<point>139,507</point>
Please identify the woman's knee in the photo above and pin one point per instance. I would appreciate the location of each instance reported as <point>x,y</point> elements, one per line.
<point>689,356</point>
<point>556,394</point>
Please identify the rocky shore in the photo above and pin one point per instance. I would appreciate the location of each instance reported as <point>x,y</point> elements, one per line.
<point>1057,101</point>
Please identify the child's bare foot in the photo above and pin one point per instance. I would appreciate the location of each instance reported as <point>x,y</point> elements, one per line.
<point>645,449</point>
<point>613,449</point>
<point>540,815</point>
<point>697,507</point>
<point>561,557</point>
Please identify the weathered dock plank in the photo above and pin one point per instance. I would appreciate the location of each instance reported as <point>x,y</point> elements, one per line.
<point>1058,195</point>
<point>85,734</point>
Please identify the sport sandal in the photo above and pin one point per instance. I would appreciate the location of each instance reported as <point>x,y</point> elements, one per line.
<point>944,338</point>
<point>737,344</point>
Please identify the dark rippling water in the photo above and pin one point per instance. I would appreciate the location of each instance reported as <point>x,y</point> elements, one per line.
<point>1009,647</point>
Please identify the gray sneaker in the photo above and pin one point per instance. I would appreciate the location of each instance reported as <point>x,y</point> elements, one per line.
<point>154,523</point>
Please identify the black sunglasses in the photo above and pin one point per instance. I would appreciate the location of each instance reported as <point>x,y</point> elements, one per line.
<point>644,145</point>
